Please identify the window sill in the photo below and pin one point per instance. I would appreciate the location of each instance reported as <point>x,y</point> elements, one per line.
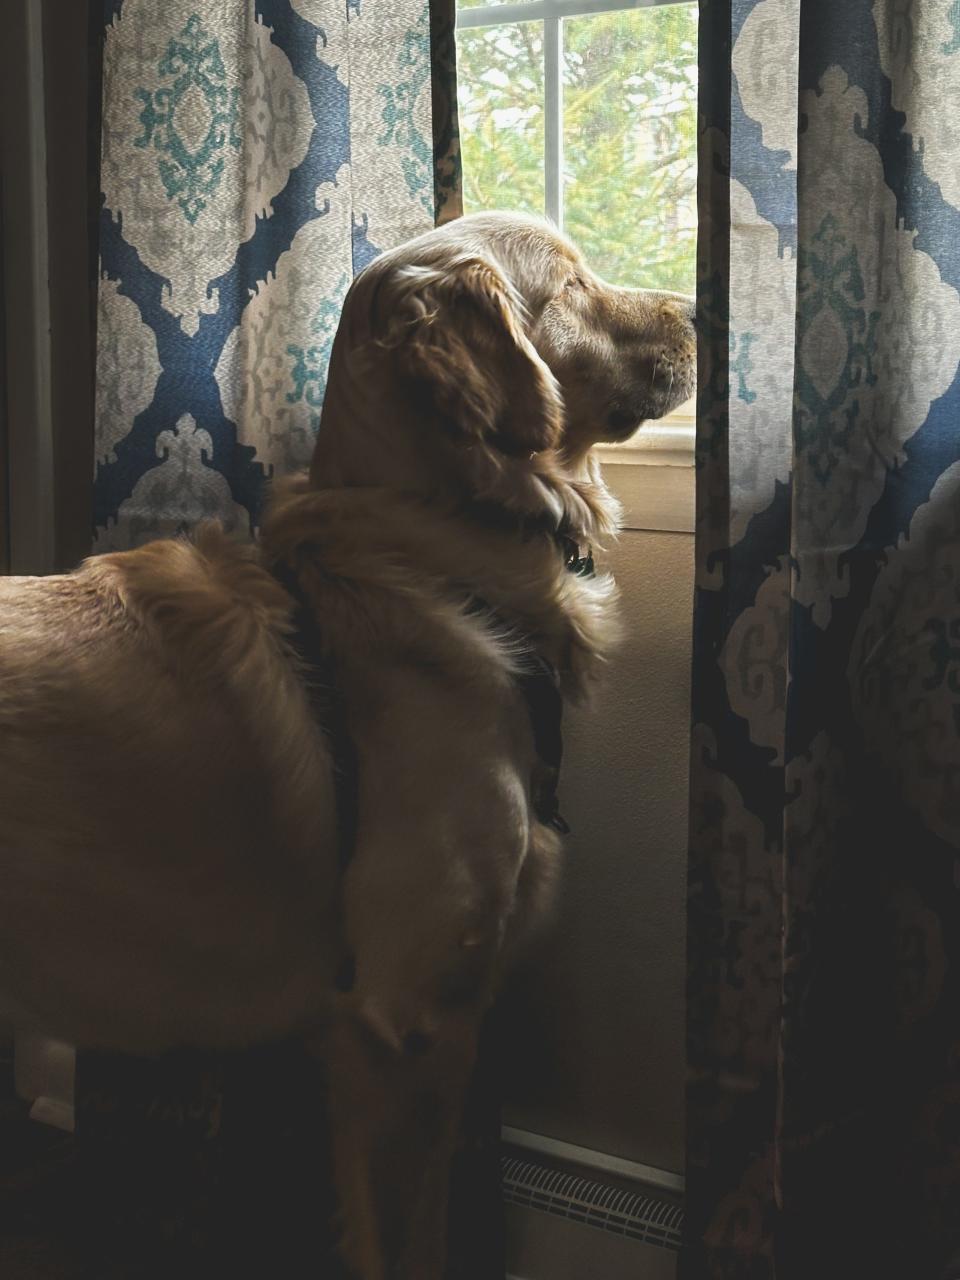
<point>653,475</point>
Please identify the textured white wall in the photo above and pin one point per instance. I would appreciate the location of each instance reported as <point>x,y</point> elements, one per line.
<point>595,1019</point>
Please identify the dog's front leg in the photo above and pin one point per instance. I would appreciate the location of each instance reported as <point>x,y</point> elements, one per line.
<point>396,1121</point>
<point>358,1121</point>
<point>434,1119</point>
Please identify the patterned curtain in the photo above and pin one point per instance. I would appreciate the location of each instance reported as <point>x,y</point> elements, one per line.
<point>256,154</point>
<point>824,892</point>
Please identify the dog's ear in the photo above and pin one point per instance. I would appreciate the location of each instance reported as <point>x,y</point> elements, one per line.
<point>458,332</point>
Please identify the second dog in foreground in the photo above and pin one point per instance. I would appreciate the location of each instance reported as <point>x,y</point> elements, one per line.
<point>169,847</point>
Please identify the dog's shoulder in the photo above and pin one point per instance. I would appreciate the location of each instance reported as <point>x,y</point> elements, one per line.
<point>207,600</point>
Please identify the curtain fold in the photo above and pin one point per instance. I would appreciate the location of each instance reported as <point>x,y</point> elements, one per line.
<point>824,886</point>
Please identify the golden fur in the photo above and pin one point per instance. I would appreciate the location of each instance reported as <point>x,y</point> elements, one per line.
<point>168,844</point>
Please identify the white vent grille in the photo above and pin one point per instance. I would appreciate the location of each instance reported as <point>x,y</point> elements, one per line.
<point>594,1204</point>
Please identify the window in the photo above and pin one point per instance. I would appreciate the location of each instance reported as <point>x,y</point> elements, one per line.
<point>586,110</point>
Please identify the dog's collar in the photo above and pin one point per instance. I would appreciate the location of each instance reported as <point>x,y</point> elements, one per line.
<point>540,685</point>
<point>494,516</point>
<point>580,566</point>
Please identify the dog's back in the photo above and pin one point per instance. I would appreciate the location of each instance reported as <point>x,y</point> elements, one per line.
<point>167,845</point>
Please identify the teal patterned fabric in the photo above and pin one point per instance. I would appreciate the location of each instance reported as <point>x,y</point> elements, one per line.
<point>256,154</point>
<point>824,889</point>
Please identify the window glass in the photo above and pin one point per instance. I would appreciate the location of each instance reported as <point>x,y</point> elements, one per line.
<point>629,134</point>
<point>629,143</point>
<point>501,116</point>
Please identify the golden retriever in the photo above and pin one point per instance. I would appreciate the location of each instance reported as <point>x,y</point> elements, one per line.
<point>169,844</point>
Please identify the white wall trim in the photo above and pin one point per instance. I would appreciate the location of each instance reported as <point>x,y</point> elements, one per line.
<point>654,478</point>
<point>661,444</point>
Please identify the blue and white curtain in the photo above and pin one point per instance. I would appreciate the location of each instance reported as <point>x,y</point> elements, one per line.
<point>824,894</point>
<point>256,154</point>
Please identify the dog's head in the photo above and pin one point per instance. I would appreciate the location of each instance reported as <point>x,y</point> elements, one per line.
<point>486,341</point>
<point>618,356</point>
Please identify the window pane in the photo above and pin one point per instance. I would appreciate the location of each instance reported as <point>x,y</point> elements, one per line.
<point>500,72</point>
<point>630,130</point>
<point>478,4</point>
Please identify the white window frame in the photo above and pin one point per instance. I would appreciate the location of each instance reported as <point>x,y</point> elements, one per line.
<point>661,500</point>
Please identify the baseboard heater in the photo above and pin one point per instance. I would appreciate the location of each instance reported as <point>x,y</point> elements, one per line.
<point>617,1196</point>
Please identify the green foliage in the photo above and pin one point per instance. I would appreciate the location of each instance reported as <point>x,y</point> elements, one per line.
<point>500,74</point>
<point>629,135</point>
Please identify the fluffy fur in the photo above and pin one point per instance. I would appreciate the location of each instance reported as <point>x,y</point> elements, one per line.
<point>168,846</point>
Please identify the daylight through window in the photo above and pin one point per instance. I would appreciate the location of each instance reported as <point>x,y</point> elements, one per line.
<point>586,110</point>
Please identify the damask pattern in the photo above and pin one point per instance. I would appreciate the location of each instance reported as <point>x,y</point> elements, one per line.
<point>824,907</point>
<point>192,119</point>
<point>255,155</point>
